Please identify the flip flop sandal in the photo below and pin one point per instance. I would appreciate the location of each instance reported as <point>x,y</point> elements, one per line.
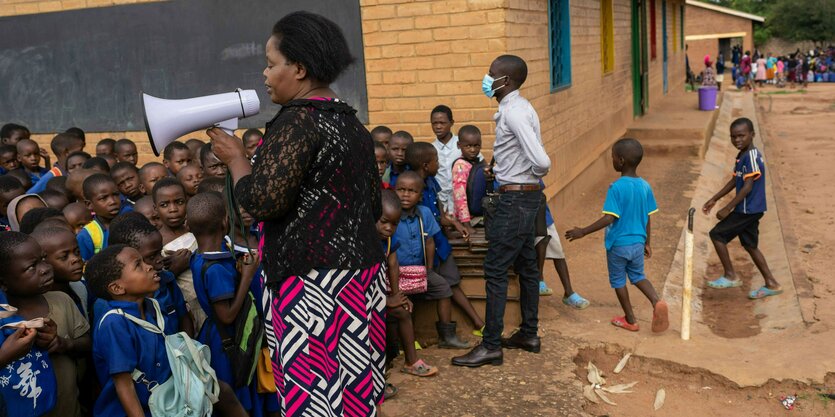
<point>576,301</point>
<point>763,292</point>
<point>722,283</point>
<point>478,332</point>
<point>390,391</point>
<point>419,368</point>
<point>660,319</point>
<point>623,324</point>
<point>544,291</point>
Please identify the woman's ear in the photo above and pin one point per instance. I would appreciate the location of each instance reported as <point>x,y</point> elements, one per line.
<point>301,71</point>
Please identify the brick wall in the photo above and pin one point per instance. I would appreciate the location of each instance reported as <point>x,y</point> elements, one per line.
<point>701,21</point>
<point>421,54</point>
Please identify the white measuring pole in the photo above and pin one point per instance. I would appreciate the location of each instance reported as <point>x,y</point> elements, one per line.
<point>687,288</point>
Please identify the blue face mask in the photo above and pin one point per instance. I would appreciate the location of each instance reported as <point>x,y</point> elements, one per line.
<point>487,85</point>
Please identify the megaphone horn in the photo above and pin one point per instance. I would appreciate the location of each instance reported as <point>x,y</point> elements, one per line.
<point>167,120</point>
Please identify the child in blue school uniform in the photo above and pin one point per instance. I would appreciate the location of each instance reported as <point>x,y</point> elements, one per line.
<point>134,230</point>
<point>247,244</point>
<point>118,276</point>
<point>422,157</point>
<point>398,144</point>
<point>102,198</point>
<point>29,155</point>
<point>626,217</point>
<point>27,379</point>
<point>62,334</point>
<point>415,233</point>
<point>221,289</point>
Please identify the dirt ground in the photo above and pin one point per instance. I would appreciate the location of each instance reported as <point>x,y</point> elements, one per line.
<point>799,148</point>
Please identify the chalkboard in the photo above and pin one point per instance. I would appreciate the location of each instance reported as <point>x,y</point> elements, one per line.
<point>88,67</point>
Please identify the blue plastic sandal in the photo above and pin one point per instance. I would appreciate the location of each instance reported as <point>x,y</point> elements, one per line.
<point>576,301</point>
<point>544,290</point>
<point>763,292</point>
<point>723,282</point>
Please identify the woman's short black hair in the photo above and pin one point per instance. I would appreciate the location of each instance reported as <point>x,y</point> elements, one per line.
<point>315,42</point>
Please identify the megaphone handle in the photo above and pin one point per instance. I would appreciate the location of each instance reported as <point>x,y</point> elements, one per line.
<point>228,126</point>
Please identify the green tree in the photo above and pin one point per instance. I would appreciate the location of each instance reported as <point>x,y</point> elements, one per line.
<point>809,20</point>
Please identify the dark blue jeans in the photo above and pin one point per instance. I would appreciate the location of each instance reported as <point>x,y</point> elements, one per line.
<point>511,243</point>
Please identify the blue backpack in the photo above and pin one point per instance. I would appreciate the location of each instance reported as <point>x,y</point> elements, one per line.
<point>476,187</point>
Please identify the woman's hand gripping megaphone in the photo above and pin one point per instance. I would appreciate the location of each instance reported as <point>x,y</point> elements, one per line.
<point>228,148</point>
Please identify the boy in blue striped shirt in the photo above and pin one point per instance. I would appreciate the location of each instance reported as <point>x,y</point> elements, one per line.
<point>741,216</point>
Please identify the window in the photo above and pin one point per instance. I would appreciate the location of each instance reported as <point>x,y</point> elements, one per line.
<point>607,36</point>
<point>652,48</point>
<point>675,31</point>
<point>559,38</point>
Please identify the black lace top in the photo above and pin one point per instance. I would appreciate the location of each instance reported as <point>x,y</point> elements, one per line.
<point>315,185</point>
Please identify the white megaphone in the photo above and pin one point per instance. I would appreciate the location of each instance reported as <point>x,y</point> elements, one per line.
<point>167,120</point>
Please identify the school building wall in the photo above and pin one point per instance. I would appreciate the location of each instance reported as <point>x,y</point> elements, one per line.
<point>421,54</point>
<point>714,25</point>
<point>675,50</point>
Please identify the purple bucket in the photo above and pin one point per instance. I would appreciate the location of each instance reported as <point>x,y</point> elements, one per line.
<point>707,98</point>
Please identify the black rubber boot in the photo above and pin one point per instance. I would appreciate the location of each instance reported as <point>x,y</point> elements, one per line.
<point>447,339</point>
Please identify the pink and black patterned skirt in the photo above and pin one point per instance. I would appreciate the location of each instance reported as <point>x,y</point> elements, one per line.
<point>326,333</point>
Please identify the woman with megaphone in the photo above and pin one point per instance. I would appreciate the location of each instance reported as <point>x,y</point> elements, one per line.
<point>315,187</point>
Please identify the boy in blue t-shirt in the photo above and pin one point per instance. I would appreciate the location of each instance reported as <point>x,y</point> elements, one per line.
<point>741,216</point>
<point>102,197</point>
<point>629,203</point>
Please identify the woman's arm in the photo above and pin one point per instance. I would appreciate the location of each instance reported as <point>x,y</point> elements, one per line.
<point>269,188</point>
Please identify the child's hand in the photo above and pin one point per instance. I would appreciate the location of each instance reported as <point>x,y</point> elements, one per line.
<point>247,266</point>
<point>647,251</point>
<point>396,299</point>
<point>470,231</point>
<point>721,214</point>
<point>17,344</point>
<point>176,261</point>
<point>44,154</point>
<point>47,335</point>
<point>708,206</point>
<point>575,233</point>
<point>488,173</point>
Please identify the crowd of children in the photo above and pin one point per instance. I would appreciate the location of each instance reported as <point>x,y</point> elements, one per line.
<point>93,245</point>
<point>752,70</point>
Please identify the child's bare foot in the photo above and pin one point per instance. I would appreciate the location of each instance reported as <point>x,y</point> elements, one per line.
<point>660,321</point>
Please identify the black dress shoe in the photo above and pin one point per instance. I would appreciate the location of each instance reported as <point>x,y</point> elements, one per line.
<point>519,341</point>
<point>479,356</point>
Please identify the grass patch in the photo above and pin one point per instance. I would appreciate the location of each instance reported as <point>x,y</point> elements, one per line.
<point>783,92</point>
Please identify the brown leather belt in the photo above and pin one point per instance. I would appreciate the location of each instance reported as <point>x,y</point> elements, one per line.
<point>519,187</point>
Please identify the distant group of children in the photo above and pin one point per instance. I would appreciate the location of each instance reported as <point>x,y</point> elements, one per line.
<point>755,70</point>
<point>96,251</point>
